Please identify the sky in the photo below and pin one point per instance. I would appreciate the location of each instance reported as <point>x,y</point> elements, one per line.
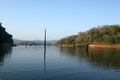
<point>27,19</point>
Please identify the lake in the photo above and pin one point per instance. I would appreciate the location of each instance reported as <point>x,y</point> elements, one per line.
<point>67,63</point>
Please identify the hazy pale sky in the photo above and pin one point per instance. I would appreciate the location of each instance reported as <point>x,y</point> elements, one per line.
<point>27,19</point>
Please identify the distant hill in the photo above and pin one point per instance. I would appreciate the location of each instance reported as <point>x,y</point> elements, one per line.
<point>17,41</point>
<point>33,42</point>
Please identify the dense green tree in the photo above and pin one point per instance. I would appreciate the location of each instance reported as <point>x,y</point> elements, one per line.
<point>5,38</point>
<point>109,34</point>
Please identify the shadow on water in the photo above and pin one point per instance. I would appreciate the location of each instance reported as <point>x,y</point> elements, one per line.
<point>96,57</point>
<point>5,52</point>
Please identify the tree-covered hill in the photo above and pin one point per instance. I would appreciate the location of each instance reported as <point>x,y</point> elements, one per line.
<point>5,38</point>
<point>107,34</point>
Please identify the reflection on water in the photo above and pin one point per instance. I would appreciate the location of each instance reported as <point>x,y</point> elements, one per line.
<point>97,57</point>
<point>5,52</point>
<point>108,58</point>
<point>54,63</point>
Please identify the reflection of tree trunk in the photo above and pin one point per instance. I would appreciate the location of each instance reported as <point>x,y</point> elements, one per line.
<point>44,59</point>
<point>87,51</point>
<point>61,50</point>
<point>73,49</point>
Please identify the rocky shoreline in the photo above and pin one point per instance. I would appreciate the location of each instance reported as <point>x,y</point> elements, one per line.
<point>92,45</point>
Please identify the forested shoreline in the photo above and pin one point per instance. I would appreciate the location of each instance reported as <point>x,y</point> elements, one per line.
<point>106,34</point>
<point>5,38</point>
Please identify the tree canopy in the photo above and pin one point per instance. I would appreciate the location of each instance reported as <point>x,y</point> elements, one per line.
<point>107,34</point>
<point>5,37</point>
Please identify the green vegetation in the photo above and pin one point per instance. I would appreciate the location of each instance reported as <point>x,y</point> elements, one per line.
<point>5,38</point>
<point>107,34</point>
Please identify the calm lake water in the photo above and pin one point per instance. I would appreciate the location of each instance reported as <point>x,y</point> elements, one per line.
<point>30,63</point>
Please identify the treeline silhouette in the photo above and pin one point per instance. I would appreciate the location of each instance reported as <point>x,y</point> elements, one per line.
<point>5,38</point>
<point>106,34</point>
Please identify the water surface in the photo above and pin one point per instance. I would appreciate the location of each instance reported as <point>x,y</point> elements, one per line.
<point>30,63</point>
